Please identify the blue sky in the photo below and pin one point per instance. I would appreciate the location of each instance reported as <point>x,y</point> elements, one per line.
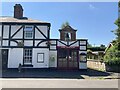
<point>93,20</point>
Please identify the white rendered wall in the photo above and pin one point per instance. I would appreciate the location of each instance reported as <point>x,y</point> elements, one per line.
<point>45,64</point>
<point>43,29</point>
<point>15,56</point>
<point>12,43</point>
<point>70,42</point>
<point>5,43</point>
<point>53,63</point>
<point>83,43</point>
<point>82,52</point>
<point>60,44</point>
<point>6,31</point>
<point>28,42</point>
<point>75,44</point>
<point>14,28</point>
<point>82,47</point>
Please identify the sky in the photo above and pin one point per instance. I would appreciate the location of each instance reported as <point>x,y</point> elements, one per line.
<point>93,20</point>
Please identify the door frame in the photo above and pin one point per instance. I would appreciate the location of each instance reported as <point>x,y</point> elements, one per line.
<point>68,50</point>
<point>6,61</point>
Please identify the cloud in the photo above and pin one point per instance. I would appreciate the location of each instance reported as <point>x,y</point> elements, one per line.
<point>91,6</point>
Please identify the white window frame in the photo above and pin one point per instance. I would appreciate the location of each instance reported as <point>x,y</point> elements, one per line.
<point>28,32</point>
<point>27,56</point>
<point>40,57</point>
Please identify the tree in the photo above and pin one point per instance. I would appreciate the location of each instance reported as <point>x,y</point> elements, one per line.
<point>112,56</point>
<point>89,45</point>
<point>65,24</point>
<point>102,46</point>
<point>117,33</point>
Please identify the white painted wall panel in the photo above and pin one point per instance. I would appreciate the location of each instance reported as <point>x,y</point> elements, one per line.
<point>82,47</point>
<point>82,52</point>
<point>36,42</point>
<point>42,44</point>
<point>43,29</point>
<point>6,31</point>
<point>53,63</point>
<point>38,35</point>
<point>13,43</point>
<point>60,44</point>
<point>15,57</point>
<point>14,28</point>
<point>45,64</point>
<point>82,42</point>
<point>52,47</point>
<point>19,34</point>
<point>75,44</point>
<point>53,42</point>
<point>5,43</point>
<point>28,43</point>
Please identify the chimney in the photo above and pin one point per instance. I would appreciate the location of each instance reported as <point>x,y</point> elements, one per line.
<point>18,11</point>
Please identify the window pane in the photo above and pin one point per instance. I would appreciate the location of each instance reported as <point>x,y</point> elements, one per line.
<point>27,56</point>
<point>40,57</point>
<point>28,31</point>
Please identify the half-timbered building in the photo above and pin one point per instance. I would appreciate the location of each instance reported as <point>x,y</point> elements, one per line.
<point>27,42</point>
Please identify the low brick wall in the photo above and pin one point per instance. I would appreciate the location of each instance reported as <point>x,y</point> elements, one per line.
<point>95,64</point>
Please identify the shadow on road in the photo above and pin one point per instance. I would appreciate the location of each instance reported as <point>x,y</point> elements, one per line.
<point>52,73</point>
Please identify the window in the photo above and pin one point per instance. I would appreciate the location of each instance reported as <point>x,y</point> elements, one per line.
<point>40,57</point>
<point>28,32</point>
<point>67,36</point>
<point>27,56</point>
<point>83,57</point>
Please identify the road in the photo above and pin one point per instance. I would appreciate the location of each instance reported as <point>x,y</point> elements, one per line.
<point>58,83</point>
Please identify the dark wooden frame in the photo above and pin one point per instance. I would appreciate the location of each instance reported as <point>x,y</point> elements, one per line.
<point>10,38</point>
<point>68,49</point>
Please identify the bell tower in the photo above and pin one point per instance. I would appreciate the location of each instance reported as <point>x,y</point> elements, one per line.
<point>67,33</point>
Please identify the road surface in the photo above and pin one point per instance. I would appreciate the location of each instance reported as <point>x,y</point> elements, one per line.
<point>58,83</point>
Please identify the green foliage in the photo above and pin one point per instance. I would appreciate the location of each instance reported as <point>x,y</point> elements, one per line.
<point>112,56</point>
<point>89,50</point>
<point>102,46</point>
<point>89,45</point>
<point>65,24</point>
<point>20,44</point>
<point>117,33</point>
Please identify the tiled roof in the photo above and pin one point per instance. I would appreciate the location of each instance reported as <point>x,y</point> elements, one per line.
<point>67,28</point>
<point>15,20</point>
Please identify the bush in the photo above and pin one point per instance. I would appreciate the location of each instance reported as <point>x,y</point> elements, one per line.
<point>112,56</point>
